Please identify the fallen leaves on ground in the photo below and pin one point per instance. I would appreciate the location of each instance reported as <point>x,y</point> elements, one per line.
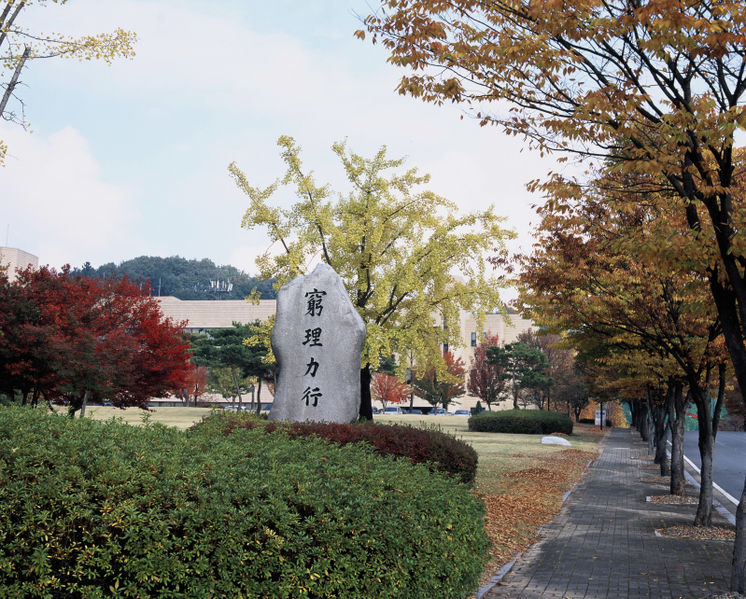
<point>700,533</point>
<point>531,497</point>
<point>537,474</point>
<point>673,499</point>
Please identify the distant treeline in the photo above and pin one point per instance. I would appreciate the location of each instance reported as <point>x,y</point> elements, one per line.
<point>182,278</point>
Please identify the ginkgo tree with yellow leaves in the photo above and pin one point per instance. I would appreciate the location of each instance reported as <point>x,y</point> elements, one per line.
<point>19,45</point>
<point>408,259</point>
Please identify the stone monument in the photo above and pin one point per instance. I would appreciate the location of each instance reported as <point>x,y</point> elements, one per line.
<point>317,340</point>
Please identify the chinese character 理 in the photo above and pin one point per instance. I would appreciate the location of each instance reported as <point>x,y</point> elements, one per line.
<point>313,337</point>
<point>311,367</point>
<point>313,303</point>
<point>311,394</point>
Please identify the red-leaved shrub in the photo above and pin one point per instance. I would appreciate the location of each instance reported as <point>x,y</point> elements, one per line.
<point>442,451</point>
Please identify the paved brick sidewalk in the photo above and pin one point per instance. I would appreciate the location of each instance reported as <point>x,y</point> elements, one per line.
<point>603,543</point>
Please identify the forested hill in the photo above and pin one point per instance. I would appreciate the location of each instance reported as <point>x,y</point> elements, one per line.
<point>185,279</point>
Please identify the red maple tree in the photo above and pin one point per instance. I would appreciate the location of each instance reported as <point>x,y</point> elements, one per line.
<point>74,339</point>
<point>486,380</point>
<point>196,383</point>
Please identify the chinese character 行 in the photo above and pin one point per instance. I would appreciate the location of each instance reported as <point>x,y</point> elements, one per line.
<point>313,304</point>
<point>311,394</point>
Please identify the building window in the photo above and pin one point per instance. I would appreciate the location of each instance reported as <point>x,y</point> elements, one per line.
<point>473,339</point>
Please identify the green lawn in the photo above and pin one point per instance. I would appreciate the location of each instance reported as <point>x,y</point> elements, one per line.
<point>499,453</point>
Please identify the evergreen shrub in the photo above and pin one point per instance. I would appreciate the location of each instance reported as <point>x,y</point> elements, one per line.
<point>531,422</point>
<point>440,450</point>
<point>92,510</point>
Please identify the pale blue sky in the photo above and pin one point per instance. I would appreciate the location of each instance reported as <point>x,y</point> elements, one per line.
<point>131,159</point>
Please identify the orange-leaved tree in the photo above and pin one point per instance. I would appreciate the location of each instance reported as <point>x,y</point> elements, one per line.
<point>616,269</point>
<point>659,86</point>
<point>388,388</point>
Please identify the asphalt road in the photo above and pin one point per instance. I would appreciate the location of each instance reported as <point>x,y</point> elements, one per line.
<point>729,461</point>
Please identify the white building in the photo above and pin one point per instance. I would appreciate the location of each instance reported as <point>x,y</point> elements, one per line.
<point>14,260</point>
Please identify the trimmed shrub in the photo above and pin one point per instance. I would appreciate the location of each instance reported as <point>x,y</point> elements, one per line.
<point>442,451</point>
<point>92,510</point>
<point>530,422</point>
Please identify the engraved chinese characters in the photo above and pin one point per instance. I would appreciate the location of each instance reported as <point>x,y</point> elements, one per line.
<point>317,340</point>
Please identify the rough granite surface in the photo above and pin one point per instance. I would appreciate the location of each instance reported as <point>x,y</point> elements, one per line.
<point>317,339</point>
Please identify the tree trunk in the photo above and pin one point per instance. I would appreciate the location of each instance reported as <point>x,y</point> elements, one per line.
<point>642,422</point>
<point>238,389</point>
<point>366,406</point>
<point>259,395</point>
<point>731,307</point>
<point>738,566</point>
<point>706,445</point>
<point>650,432</point>
<point>676,416</point>
<point>84,404</point>
<point>661,457</point>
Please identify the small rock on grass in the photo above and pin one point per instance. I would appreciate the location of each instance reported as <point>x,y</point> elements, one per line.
<point>551,440</point>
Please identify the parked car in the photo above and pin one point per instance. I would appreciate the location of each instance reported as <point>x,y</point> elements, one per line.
<point>392,410</point>
<point>461,413</point>
<point>440,412</point>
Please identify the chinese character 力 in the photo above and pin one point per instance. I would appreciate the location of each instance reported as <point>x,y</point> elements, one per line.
<point>311,367</point>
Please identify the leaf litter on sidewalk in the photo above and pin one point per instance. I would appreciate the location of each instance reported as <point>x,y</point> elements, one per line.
<point>522,499</point>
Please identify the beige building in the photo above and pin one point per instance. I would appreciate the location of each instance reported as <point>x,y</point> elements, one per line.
<point>14,260</point>
<point>202,315</point>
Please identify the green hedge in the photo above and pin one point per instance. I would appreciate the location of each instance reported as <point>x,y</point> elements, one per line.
<point>442,451</point>
<point>531,422</point>
<point>91,510</point>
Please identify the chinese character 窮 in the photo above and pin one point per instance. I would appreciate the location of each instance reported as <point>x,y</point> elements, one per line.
<point>313,302</point>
